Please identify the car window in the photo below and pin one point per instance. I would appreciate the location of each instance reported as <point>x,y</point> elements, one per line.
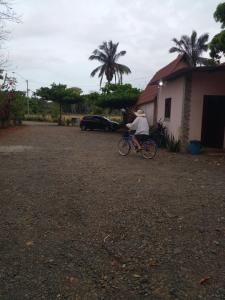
<point>95,119</point>
<point>89,118</point>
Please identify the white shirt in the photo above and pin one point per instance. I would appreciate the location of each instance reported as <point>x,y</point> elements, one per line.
<point>140,125</point>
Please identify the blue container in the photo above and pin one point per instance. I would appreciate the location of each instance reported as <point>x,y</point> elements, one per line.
<point>195,147</point>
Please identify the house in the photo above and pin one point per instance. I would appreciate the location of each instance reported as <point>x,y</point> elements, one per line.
<point>190,101</point>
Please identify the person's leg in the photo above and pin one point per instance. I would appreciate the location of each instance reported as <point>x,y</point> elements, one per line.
<point>136,142</point>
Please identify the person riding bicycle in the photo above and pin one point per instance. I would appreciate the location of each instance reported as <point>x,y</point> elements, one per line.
<point>141,128</point>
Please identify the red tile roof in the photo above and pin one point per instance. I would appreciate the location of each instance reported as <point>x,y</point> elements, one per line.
<point>179,63</point>
<point>150,93</point>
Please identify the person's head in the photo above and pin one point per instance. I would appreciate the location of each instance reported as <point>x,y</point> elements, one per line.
<point>140,113</point>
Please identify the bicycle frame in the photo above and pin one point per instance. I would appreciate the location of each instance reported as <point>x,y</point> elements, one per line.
<point>129,139</point>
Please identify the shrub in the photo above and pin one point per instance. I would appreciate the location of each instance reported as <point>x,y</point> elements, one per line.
<point>68,122</point>
<point>173,145</point>
<point>37,117</point>
<point>159,134</point>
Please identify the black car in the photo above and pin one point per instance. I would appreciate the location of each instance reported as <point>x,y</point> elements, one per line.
<point>98,122</point>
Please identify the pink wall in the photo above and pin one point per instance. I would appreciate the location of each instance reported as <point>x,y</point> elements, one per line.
<point>175,90</point>
<point>149,111</point>
<point>211,83</point>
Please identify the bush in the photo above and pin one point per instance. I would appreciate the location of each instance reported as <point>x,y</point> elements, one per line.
<point>159,134</point>
<point>18,107</point>
<point>38,118</point>
<point>173,145</point>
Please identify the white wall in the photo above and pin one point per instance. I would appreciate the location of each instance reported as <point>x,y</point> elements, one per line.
<point>149,111</point>
<point>174,90</point>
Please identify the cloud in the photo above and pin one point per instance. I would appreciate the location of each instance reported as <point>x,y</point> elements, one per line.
<point>55,38</point>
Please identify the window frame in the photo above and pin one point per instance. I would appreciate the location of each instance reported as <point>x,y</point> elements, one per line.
<point>167,108</point>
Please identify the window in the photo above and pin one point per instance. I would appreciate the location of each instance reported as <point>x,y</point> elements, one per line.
<point>167,108</point>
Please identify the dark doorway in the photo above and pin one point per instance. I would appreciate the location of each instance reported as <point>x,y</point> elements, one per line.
<point>213,121</point>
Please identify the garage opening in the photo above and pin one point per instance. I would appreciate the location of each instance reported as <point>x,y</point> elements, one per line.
<point>213,121</point>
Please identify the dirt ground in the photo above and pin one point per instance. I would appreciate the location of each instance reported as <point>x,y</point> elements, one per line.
<point>78,221</point>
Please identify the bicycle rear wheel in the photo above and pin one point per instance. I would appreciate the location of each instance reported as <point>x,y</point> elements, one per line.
<point>149,149</point>
<point>123,147</point>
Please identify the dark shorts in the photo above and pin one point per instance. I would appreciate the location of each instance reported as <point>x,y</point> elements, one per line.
<point>141,137</point>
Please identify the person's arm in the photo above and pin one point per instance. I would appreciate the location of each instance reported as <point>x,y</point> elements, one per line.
<point>133,125</point>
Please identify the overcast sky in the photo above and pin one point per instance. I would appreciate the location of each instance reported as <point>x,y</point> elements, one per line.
<point>56,37</point>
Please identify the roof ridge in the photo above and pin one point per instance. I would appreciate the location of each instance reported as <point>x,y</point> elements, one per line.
<point>179,58</point>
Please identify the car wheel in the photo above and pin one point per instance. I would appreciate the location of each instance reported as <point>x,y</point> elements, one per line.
<point>107,129</point>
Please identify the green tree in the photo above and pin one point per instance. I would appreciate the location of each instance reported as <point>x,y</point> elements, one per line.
<point>18,105</point>
<point>219,14</point>
<point>6,97</point>
<point>217,45</point>
<point>108,56</point>
<point>117,96</point>
<point>192,47</point>
<point>60,94</point>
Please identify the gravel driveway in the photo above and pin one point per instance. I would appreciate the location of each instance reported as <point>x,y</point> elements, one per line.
<point>78,221</point>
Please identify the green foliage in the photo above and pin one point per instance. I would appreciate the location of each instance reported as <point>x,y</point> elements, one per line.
<point>173,145</point>
<point>159,134</point>
<point>4,106</point>
<point>219,14</point>
<point>97,110</point>
<point>92,98</point>
<point>217,45</point>
<point>117,96</point>
<point>18,105</point>
<point>12,105</point>
<point>59,93</point>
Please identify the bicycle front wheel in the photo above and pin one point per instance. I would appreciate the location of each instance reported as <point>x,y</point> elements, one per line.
<point>123,147</point>
<point>149,149</point>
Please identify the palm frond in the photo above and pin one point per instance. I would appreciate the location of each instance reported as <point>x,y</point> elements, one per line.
<point>176,41</point>
<point>98,58</point>
<point>202,42</point>
<point>123,69</point>
<point>193,38</point>
<point>175,49</point>
<point>96,52</point>
<point>96,70</point>
<point>101,80</point>
<point>114,49</point>
<point>118,55</point>
<point>102,71</point>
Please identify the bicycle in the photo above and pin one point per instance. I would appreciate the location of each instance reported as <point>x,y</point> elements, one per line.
<point>148,147</point>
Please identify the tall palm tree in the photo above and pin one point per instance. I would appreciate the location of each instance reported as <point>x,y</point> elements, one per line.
<point>193,47</point>
<point>108,56</point>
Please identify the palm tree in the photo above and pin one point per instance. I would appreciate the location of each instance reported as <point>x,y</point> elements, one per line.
<point>192,47</point>
<point>107,55</point>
